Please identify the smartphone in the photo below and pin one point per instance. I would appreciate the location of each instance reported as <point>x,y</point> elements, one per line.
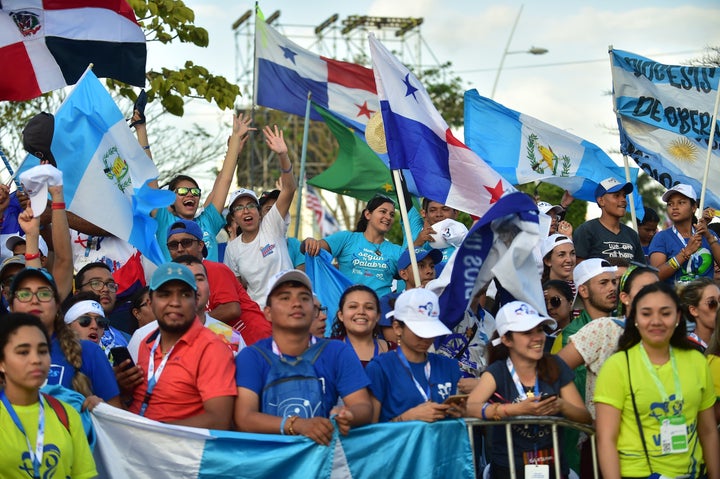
<point>119,354</point>
<point>545,396</point>
<point>456,399</point>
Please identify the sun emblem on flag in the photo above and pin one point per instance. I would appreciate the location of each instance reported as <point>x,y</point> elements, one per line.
<point>683,149</point>
<point>116,169</point>
<point>548,158</point>
<point>27,22</point>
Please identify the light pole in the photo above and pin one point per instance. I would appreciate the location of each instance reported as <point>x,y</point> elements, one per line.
<point>506,52</point>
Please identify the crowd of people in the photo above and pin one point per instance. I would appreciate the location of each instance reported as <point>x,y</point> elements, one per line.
<point>229,334</point>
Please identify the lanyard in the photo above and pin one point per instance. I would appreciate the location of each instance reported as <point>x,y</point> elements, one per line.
<point>656,378</point>
<point>276,349</point>
<point>36,457</point>
<point>152,375</point>
<point>683,241</point>
<point>425,393</point>
<point>375,342</point>
<point>518,385</point>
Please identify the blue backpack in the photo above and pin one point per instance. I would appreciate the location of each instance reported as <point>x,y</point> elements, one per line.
<point>293,387</point>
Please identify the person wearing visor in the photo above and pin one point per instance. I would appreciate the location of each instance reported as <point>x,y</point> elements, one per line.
<point>85,315</point>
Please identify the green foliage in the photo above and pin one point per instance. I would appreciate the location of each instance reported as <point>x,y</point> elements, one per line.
<point>552,194</point>
<point>446,93</point>
<point>651,191</point>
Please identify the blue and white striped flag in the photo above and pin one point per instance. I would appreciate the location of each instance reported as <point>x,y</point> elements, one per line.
<point>664,116</point>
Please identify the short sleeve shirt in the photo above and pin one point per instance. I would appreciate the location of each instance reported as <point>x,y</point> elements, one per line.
<point>210,221</point>
<point>95,366</point>
<point>593,240</point>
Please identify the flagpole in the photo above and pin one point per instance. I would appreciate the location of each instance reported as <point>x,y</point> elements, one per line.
<point>303,156</point>
<point>406,225</point>
<point>709,151</point>
<point>633,214</point>
<point>10,170</point>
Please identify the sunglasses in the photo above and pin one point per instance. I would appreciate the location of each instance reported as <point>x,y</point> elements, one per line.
<point>43,295</point>
<point>712,303</point>
<point>85,321</point>
<point>555,301</point>
<point>184,190</point>
<point>185,243</point>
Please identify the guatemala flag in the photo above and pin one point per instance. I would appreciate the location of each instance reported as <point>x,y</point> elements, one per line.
<point>132,446</point>
<point>664,115</point>
<point>523,149</point>
<point>105,170</point>
<point>419,139</point>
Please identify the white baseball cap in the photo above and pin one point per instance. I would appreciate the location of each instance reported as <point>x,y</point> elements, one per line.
<point>239,193</point>
<point>590,268</point>
<point>683,189</point>
<point>548,244</point>
<point>518,316</point>
<point>546,208</point>
<point>448,233</point>
<point>35,182</point>
<point>418,308</point>
<point>288,275</point>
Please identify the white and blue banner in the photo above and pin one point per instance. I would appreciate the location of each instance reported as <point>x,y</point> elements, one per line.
<point>132,446</point>
<point>419,139</point>
<point>523,149</point>
<point>105,170</point>
<point>664,116</point>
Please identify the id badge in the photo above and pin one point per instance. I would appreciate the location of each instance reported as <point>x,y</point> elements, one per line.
<point>537,471</point>
<point>673,435</point>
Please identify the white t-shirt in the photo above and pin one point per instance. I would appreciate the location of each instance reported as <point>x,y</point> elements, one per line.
<point>256,262</point>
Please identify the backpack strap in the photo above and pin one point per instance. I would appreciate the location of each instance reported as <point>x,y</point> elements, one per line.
<point>315,350</point>
<point>59,409</point>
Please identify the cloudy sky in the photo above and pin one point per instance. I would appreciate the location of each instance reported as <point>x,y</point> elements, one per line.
<point>566,87</point>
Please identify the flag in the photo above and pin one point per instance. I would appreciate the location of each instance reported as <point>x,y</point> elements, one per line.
<point>418,138</point>
<point>105,170</point>
<point>328,282</point>
<point>132,446</point>
<point>286,73</point>
<point>48,44</point>
<point>357,171</point>
<point>323,218</point>
<point>664,117</point>
<point>523,149</point>
<point>500,245</point>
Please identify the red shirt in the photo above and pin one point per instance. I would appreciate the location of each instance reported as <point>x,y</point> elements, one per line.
<point>200,367</point>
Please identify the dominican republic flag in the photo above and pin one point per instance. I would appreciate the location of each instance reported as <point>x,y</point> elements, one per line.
<point>524,149</point>
<point>500,245</point>
<point>47,44</point>
<point>105,170</point>
<point>665,113</point>
<point>132,446</point>
<point>419,139</point>
<point>286,73</point>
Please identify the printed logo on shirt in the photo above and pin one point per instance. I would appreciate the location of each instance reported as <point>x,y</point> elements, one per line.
<point>55,375</point>
<point>267,250</point>
<point>444,389</point>
<point>51,459</point>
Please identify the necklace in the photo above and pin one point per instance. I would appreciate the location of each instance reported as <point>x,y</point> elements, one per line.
<point>377,247</point>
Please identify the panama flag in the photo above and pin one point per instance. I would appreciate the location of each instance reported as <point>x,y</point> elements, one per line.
<point>419,139</point>
<point>105,170</point>
<point>286,73</point>
<point>48,44</point>
<point>664,115</point>
<point>129,445</point>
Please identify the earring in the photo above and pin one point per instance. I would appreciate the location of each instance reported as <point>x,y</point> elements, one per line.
<point>636,325</point>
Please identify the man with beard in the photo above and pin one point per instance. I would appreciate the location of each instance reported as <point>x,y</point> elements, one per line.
<point>185,373</point>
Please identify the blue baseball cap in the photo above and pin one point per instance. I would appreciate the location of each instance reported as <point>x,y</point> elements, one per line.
<point>172,272</point>
<point>190,227</point>
<point>420,254</point>
<point>612,185</point>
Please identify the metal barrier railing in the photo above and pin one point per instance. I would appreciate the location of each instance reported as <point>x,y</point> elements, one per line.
<point>552,421</point>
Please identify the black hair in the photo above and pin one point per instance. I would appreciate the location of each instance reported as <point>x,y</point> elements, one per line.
<point>631,335</point>
<point>294,284</point>
<point>173,183</point>
<point>650,216</point>
<point>562,286</point>
<point>188,259</point>
<point>11,322</point>
<point>137,298</point>
<point>80,276</point>
<point>548,369</point>
<point>628,278</point>
<point>372,205</point>
<point>70,301</point>
<point>338,328</point>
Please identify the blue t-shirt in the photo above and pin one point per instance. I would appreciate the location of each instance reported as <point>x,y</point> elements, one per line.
<point>417,223</point>
<point>338,367</point>
<point>669,244</point>
<point>95,366</point>
<point>392,384</point>
<point>210,221</point>
<point>293,246</point>
<point>525,438</point>
<point>358,259</point>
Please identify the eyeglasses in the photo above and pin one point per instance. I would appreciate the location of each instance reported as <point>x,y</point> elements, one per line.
<point>98,284</point>
<point>44,295</point>
<point>186,243</point>
<point>712,303</point>
<point>321,309</point>
<point>142,305</point>
<point>247,207</point>
<point>85,321</point>
<point>184,190</point>
<point>555,301</point>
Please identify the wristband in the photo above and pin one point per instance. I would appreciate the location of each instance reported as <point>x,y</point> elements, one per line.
<point>482,411</point>
<point>146,147</point>
<point>290,425</point>
<point>282,425</point>
<point>58,206</point>
<point>289,170</point>
<point>30,257</point>
<point>672,262</point>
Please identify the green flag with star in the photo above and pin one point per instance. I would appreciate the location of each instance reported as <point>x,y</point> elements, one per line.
<point>357,171</point>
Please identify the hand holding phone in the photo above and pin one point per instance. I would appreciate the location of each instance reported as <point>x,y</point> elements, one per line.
<point>456,399</point>
<point>119,355</point>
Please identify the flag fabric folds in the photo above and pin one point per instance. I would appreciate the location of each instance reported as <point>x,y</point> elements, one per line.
<point>327,224</point>
<point>357,171</point>
<point>328,283</point>
<point>664,116</point>
<point>419,139</point>
<point>523,149</point>
<point>286,72</point>
<point>48,44</point>
<point>105,170</point>
<point>500,245</point>
<point>132,446</point>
